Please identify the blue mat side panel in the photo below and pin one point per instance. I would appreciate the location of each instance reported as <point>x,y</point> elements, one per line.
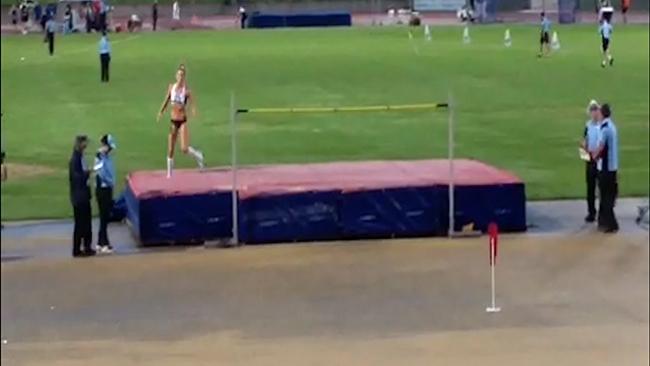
<point>399,212</point>
<point>191,218</point>
<point>286,218</point>
<point>299,20</point>
<point>480,205</point>
<point>132,210</point>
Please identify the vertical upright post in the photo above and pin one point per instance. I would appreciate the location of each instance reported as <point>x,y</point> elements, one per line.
<point>450,153</point>
<point>494,301</point>
<point>493,232</point>
<point>233,167</point>
<point>493,306</point>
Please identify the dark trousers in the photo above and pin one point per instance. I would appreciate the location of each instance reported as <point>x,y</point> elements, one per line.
<point>243,19</point>
<point>591,175</point>
<point>49,37</point>
<point>83,232</point>
<point>104,60</point>
<point>105,204</point>
<point>155,22</point>
<point>608,185</point>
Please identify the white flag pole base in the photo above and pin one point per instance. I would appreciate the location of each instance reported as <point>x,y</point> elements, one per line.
<point>492,309</point>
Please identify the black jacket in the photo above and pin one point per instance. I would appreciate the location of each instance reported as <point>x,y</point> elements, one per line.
<point>79,189</point>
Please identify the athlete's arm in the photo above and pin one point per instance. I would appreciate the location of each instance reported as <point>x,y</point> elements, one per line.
<point>165,103</point>
<point>191,102</point>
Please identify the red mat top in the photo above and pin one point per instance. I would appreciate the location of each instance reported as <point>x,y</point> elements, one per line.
<point>346,176</point>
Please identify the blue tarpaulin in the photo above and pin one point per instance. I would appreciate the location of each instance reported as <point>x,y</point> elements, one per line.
<point>258,20</point>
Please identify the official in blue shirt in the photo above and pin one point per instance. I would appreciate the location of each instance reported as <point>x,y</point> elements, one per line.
<point>607,165</point>
<point>104,183</point>
<point>545,38</point>
<point>104,56</point>
<point>605,31</point>
<point>50,29</point>
<point>590,142</point>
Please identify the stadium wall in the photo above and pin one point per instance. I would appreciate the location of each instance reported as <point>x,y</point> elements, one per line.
<point>289,7</point>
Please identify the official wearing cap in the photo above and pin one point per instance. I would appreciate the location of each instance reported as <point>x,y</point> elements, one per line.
<point>590,144</point>
<point>104,183</point>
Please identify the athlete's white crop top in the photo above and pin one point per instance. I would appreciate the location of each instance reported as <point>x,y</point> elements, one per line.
<point>178,95</point>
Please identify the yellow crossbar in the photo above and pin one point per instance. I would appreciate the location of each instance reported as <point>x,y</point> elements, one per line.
<point>400,107</point>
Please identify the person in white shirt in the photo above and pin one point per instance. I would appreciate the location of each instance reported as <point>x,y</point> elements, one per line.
<point>243,16</point>
<point>176,11</point>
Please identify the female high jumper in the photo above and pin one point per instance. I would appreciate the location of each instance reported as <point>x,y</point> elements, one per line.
<point>180,97</point>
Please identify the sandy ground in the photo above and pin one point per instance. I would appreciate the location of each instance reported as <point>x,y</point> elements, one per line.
<point>569,297</point>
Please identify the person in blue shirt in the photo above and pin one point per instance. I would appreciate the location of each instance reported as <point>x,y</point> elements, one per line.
<point>589,143</point>
<point>104,183</point>
<point>605,31</point>
<point>50,29</point>
<point>104,56</point>
<point>545,38</point>
<point>607,164</point>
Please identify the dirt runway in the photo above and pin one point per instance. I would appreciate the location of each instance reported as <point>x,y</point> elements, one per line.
<point>571,299</point>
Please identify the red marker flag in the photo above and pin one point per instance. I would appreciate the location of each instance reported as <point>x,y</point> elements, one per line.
<point>493,232</point>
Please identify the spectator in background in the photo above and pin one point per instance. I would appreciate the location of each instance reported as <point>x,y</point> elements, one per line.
<point>154,14</point>
<point>38,14</point>
<point>243,16</point>
<point>104,183</point>
<point>103,8</point>
<point>607,163</point>
<point>24,17</point>
<point>80,199</point>
<point>89,17</point>
<point>481,10</point>
<point>44,18</point>
<point>13,11</point>
<point>625,6</point>
<point>67,19</point>
<point>50,28</point>
<point>590,144</point>
<point>176,14</point>
<point>104,56</point>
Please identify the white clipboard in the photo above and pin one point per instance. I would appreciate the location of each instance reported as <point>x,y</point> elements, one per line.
<point>584,155</point>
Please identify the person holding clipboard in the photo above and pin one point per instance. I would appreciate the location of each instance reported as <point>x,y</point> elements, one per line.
<point>588,146</point>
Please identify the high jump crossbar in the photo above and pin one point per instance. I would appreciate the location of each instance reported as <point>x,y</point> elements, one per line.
<point>370,108</point>
<point>234,111</point>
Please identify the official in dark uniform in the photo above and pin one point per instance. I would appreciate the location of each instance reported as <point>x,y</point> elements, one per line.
<point>104,183</point>
<point>243,17</point>
<point>590,144</point>
<point>607,164</point>
<point>154,14</point>
<point>80,199</point>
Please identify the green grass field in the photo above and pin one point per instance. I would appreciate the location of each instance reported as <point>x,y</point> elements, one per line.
<point>514,111</point>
